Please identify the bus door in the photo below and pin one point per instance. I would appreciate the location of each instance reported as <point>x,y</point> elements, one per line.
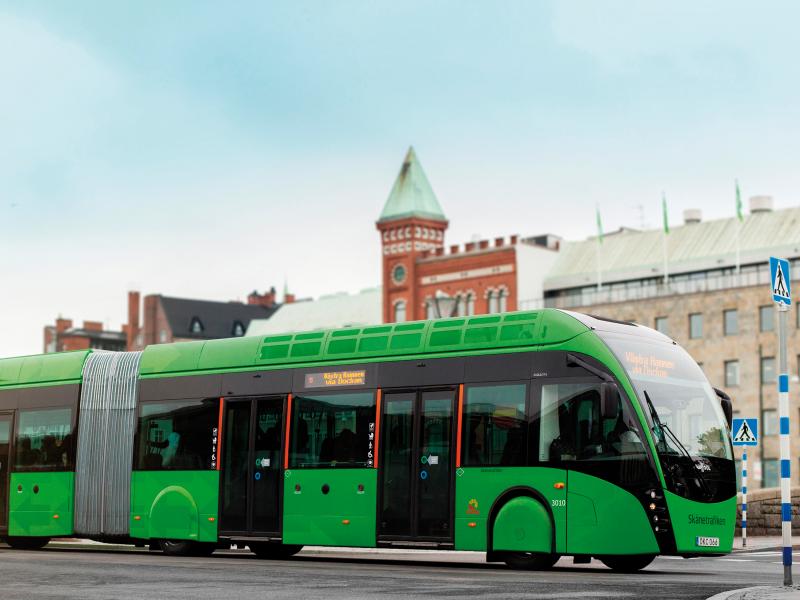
<point>251,480</point>
<point>417,466</point>
<point>5,460</point>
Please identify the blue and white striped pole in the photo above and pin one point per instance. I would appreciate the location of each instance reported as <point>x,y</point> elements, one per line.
<point>744,498</point>
<point>786,470</point>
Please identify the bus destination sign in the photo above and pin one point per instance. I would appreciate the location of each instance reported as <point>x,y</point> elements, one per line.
<point>336,379</point>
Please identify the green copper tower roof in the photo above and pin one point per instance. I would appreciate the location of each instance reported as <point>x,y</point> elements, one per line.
<point>411,195</point>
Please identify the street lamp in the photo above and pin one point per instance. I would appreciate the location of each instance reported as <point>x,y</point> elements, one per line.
<point>446,305</point>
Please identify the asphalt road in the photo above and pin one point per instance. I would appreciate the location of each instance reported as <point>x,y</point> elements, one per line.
<point>93,572</point>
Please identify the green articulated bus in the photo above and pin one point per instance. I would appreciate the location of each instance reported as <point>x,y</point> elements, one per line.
<point>527,436</point>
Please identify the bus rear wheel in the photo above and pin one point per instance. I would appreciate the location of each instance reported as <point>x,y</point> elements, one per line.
<point>274,551</point>
<point>627,564</point>
<point>530,561</point>
<point>28,543</point>
<point>186,548</point>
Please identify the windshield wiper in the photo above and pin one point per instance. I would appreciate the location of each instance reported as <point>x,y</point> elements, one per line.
<point>663,427</point>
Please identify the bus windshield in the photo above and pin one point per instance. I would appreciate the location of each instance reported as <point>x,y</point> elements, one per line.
<point>689,426</point>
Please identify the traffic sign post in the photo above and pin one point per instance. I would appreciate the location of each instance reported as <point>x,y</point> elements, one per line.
<point>745,433</point>
<point>780,283</point>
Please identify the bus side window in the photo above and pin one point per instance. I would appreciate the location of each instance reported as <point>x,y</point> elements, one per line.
<point>494,426</point>
<point>44,439</point>
<point>332,430</point>
<point>176,434</point>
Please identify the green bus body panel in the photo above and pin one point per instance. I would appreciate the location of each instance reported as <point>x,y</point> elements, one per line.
<point>174,505</point>
<point>46,513</point>
<point>602,518</point>
<point>691,519</point>
<point>484,485</point>
<point>396,341</point>
<point>43,369</point>
<point>523,524</point>
<point>311,517</point>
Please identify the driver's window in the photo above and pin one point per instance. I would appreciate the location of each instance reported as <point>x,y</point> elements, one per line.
<point>572,428</point>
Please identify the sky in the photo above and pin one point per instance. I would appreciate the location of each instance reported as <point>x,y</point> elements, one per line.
<point>204,149</point>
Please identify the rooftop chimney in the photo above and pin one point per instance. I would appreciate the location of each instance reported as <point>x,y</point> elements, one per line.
<point>760,204</point>
<point>692,216</point>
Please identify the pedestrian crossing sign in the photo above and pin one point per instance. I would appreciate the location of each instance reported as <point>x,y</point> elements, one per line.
<point>745,432</point>
<point>780,280</point>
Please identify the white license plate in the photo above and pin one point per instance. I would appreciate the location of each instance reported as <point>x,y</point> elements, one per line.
<point>707,542</point>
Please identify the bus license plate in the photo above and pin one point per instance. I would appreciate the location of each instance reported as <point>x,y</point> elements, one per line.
<point>707,542</point>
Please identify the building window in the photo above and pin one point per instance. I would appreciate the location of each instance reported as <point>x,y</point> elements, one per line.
<point>400,311</point>
<point>495,429</point>
<point>332,430</point>
<point>730,320</point>
<point>769,422</point>
<point>662,325</point>
<point>502,300</point>
<point>162,336</point>
<point>430,310</point>
<point>731,373</point>
<point>470,304</point>
<point>196,326</point>
<point>767,369</point>
<point>695,326</point>
<point>770,473</point>
<point>491,299</point>
<point>461,305</point>
<point>238,329</point>
<point>766,318</point>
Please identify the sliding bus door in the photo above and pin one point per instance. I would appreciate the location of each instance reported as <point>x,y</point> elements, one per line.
<point>416,466</point>
<point>252,477</point>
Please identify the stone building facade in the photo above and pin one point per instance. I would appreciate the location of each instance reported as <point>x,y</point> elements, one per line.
<point>722,315</point>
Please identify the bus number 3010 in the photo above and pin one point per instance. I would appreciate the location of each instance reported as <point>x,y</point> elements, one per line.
<point>558,503</point>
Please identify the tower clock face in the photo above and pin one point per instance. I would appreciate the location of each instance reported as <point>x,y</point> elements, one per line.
<point>398,274</point>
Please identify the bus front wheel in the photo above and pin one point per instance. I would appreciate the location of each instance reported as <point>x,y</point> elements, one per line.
<point>27,543</point>
<point>186,548</point>
<point>530,561</point>
<point>274,551</point>
<point>627,564</point>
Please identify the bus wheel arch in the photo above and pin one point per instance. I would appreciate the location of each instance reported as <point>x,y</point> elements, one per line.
<point>501,502</point>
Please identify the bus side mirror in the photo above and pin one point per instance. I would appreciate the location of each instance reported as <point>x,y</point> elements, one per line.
<point>727,406</point>
<point>609,400</point>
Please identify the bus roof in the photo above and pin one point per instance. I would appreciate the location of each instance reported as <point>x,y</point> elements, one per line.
<point>399,341</point>
<point>43,369</point>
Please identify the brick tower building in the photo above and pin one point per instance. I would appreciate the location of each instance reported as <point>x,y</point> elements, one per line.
<point>422,281</point>
<point>412,222</point>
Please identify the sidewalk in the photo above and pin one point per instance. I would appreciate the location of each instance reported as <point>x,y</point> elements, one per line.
<point>763,542</point>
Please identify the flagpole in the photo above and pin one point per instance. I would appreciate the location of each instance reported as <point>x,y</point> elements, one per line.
<point>664,234</point>
<point>739,219</point>
<point>599,243</point>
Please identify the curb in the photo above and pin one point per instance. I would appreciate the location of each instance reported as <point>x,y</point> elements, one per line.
<point>761,592</point>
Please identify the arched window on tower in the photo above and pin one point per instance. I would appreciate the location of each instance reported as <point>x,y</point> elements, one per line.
<point>502,300</point>
<point>400,311</point>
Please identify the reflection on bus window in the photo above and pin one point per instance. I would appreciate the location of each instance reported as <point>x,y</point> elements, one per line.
<point>177,434</point>
<point>333,430</point>
<point>572,431</point>
<point>44,439</point>
<point>495,430</point>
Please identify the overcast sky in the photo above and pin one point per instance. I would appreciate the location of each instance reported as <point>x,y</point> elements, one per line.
<point>207,149</point>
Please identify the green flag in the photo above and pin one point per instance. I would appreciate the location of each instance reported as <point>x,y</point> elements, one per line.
<point>599,227</point>
<point>664,210</point>
<point>739,213</point>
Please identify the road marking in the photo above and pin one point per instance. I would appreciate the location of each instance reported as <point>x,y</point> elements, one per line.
<point>738,559</point>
